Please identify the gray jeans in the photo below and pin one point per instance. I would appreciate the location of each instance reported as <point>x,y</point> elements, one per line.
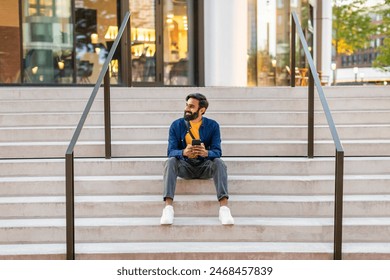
<point>215,169</point>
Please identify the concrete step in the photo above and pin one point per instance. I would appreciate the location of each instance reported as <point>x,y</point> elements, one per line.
<point>196,205</point>
<point>148,105</point>
<point>159,93</point>
<point>152,185</point>
<point>232,250</point>
<point>170,250</point>
<point>187,229</point>
<point>166,118</point>
<point>44,93</point>
<point>241,148</point>
<point>220,104</point>
<point>229,132</point>
<point>154,166</point>
<point>197,251</point>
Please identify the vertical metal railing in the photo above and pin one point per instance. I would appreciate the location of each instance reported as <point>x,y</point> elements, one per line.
<point>314,81</point>
<point>69,155</point>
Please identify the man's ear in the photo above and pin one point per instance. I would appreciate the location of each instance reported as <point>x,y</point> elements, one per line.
<point>203,110</point>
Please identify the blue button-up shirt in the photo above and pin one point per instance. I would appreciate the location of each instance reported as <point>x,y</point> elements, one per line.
<point>209,133</point>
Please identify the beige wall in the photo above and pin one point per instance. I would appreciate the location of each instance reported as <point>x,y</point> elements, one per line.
<point>9,13</point>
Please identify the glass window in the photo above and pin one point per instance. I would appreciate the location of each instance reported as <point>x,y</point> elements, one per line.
<point>47,41</point>
<point>269,57</point>
<point>143,40</point>
<point>40,8</point>
<point>178,24</point>
<point>265,18</point>
<point>343,61</point>
<point>9,51</point>
<point>96,29</point>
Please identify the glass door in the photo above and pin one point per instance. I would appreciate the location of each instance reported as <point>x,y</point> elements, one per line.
<point>179,42</point>
<point>162,42</point>
<point>47,41</point>
<point>96,29</point>
<point>143,41</point>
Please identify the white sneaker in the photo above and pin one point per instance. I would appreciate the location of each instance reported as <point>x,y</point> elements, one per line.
<point>167,215</point>
<point>225,217</point>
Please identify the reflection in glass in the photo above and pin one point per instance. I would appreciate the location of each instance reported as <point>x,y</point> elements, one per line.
<point>178,57</point>
<point>10,48</point>
<point>47,41</point>
<point>269,41</point>
<point>96,29</point>
<point>252,43</point>
<point>143,40</point>
<point>40,8</point>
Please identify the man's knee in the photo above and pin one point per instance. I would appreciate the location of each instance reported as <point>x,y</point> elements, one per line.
<point>171,162</point>
<point>219,163</point>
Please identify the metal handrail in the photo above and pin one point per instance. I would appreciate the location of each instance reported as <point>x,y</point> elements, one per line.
<point>69,155</point>
<point>339,172</point>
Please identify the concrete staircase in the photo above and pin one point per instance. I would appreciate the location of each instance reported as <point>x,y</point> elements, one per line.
<point>282,202</point>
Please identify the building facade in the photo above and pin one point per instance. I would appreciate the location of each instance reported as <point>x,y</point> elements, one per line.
<point>168,42</point>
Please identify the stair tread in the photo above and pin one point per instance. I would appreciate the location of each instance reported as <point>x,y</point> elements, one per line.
<point>165,247</point>
<point>233,247</point>
<point>113,126</point>
<point>199,247</point>
<point>232,177</point>
<point>164,142</point>
<point>192,222</point>
<point>230,159</point>
<point>193,198</point>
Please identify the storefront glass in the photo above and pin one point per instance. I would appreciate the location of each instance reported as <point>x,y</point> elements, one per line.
<point>47,41</point>
<point>143,40</point>
<point>57,52</point>
<point>269,40</point>
<point>10,46</point>
<point>96,29</point>
<point>178,42</point>
<point>67,41</point>
<point>175,43</point>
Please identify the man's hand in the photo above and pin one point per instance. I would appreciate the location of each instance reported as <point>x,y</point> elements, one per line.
<point>187,152</point>
<point>195,151</point>
<point>200,150</point>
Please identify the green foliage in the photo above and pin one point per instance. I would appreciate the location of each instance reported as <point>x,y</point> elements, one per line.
<point>352,26</point>
<point>383,59</point>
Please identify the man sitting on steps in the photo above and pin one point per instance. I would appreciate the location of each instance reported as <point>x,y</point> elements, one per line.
<point>194,152</point>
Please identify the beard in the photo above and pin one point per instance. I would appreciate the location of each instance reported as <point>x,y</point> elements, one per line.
<point>190,116</point>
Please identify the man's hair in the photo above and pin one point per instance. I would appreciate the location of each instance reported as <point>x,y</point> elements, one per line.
<point>203,103</point>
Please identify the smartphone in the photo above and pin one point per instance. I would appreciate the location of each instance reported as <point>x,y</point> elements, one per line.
<point>196,142</point>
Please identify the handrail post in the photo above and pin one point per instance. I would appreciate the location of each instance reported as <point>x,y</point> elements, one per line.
<point>310,139</point>
<point>338,217</point>
<point>70,235</point>
<point>292,54</point>
<point>107,115</point>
